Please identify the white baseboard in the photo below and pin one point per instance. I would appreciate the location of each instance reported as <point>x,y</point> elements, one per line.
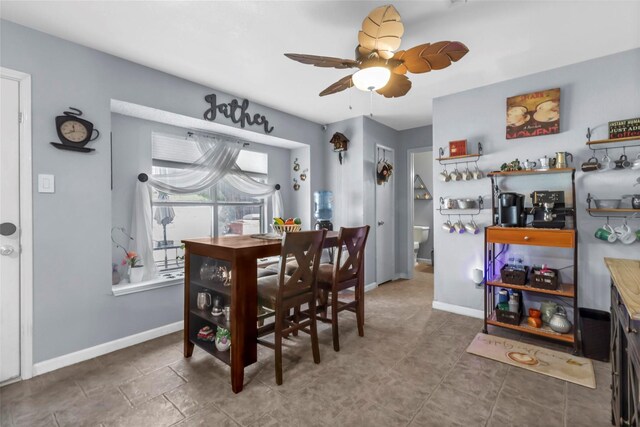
<point>101,349</point>
<point>401,276</point>
<point>458,309</point>
<point>370,286</point>
<point>425,261</point>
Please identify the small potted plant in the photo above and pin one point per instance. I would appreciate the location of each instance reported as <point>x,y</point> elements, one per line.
<point>136,269</point>
<point>223,339</point>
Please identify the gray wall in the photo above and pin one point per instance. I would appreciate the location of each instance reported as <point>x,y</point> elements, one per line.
<point>73,305</point>
<point>592,93</point>
<point>423,209</point>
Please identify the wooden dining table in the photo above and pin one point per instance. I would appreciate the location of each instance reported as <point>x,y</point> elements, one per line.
<point>241,254</point>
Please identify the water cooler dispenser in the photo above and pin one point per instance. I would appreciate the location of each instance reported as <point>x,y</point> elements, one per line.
<point>323,209</point>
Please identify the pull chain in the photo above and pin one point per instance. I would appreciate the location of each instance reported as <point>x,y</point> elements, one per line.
<point>371,103</point>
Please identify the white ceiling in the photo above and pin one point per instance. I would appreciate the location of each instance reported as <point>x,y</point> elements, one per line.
<point>238,47</point>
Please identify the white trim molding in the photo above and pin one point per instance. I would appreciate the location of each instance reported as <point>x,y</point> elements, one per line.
<point>426,261</point>
<point>26,222</point>
<point>458,309</point>
<point>102,349</point>
<point>371,286</point>
<point>132,288</point>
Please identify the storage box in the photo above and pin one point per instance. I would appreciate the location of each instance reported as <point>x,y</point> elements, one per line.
<point>514,277</point>
<point>509,317</point>
<point>541,281</point>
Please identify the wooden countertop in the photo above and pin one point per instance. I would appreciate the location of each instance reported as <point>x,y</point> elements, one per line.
<point>626,277</point>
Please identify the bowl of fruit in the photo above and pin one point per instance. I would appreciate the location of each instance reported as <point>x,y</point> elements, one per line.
<point>291,225</point>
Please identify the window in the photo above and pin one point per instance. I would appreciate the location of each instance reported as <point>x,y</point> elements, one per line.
<point>218,211</point>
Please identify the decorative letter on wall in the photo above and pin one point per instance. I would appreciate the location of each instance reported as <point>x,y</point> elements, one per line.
<point>235,111</point>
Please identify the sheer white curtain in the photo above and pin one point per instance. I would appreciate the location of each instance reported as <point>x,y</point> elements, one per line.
<point>217,161</point>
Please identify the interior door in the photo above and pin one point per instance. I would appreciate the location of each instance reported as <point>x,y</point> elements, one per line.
<point>385,233</point>
<point>9,230</point>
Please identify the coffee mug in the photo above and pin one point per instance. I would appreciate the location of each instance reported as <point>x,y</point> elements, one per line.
<point>591,165</point>
<point>472,227</point>
<point>444,176</point>
<point>477,174</point>
<point>459,227</point>
<point>606,233</point>
<point>448,227</point>
<point>625,235</point>
<point>455,175</point>
<point>636,163</point>
<point>467,175</point>
<point>606,163</point>
<point>638,234</point>
<point>622,162</point>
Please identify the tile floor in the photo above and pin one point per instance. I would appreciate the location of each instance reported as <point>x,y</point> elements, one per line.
<point>409,369</point>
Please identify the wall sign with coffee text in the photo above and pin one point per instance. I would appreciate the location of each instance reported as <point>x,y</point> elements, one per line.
<point>236,111</point>
<point>533,114</point>
<point>624,128</point>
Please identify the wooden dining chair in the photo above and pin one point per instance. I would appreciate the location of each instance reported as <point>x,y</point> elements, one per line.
<point>283,294</point>
<point>336,277</point>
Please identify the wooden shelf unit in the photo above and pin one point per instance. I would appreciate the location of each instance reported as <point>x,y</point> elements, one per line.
<point>465,156</point>
<point>619,210</point>
<point>565,239</point>
<point>613,141</point>
<point>544,331</point>
<point>531,172</point>
<point>564,289</point>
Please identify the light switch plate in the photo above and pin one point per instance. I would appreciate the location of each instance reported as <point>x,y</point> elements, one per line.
<point>46,183</point>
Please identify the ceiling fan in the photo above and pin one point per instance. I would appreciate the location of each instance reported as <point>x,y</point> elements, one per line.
<point>381,66</point>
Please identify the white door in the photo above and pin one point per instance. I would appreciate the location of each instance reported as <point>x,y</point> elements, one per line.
<point>9,230</point>
<point>385,234</point>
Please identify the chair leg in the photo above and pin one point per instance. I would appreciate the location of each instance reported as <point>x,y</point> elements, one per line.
<point>278,346</point>
<point>323,298</point>
<point>334,320</point>
<point>360,312</point>
<point>314,332</point>
<point>296,319</point>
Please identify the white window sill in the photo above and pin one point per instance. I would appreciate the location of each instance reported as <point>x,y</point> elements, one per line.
<point>148,285</point>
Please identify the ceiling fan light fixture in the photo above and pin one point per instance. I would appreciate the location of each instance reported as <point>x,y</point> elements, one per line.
<point>371,78</point>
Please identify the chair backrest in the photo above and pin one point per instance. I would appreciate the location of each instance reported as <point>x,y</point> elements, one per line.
<point>354,239</point>
<point>306,247</point>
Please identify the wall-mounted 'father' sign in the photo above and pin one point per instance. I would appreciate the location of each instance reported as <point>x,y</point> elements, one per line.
<point>235,111</point>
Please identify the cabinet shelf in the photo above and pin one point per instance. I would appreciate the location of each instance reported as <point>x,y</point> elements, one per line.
<point>214,286</point>
<point>544,331</point>
<point>531,172</point>
<point>564,289</point>
<point>220,320</point>
<point>210,347</point>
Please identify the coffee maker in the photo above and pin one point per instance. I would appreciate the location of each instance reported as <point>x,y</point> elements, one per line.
<point>511,211</point>
<point>548,209</point>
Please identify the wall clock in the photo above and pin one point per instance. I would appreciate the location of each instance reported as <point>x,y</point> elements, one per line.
<point>74,132</point>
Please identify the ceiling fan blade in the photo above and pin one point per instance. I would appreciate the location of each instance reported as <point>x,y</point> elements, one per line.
<point>398,86</point>
<point>426,57</point>
<point>322,61</point>
<point>381,31</point>
<point>339,86</point>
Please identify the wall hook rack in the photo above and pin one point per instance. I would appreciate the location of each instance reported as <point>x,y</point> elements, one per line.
<point>458,211</point>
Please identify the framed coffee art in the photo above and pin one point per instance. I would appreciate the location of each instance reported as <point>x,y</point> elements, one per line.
<point>533,114</point>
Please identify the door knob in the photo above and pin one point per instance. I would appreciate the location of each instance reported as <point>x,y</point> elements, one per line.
<point>380,222</point>
<point>7,229</point>
<point>6,250</point>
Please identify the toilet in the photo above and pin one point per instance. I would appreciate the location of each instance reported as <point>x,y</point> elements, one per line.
<point>420,235</point>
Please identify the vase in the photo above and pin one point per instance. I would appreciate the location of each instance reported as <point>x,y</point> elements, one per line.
<point>136,273</point>
<point>223,343</point>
